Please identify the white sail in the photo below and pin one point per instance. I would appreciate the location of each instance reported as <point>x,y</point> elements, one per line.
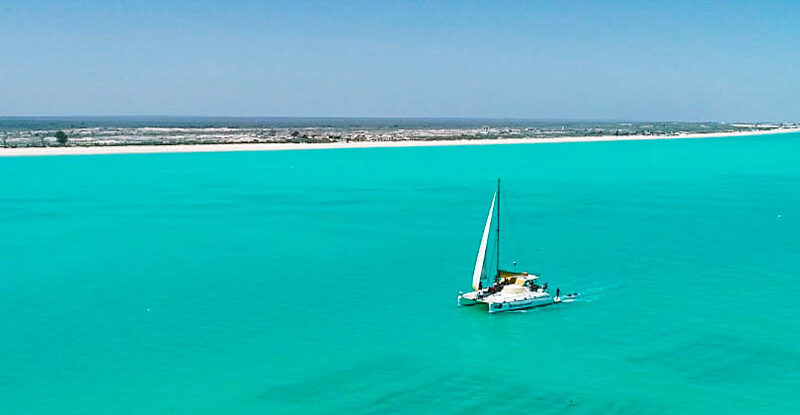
<point>476,275</point>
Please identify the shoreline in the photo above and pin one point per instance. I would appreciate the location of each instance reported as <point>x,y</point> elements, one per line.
<point>234,147</point>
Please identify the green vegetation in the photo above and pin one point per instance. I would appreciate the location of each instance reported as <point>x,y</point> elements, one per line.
<point>61,137</point>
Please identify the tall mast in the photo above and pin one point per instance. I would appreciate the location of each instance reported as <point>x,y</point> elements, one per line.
<point>497,277</point>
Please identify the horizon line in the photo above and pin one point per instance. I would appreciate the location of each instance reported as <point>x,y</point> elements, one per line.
<point>297,117</point>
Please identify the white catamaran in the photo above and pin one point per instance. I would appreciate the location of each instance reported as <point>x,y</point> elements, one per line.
<point>503,290</point>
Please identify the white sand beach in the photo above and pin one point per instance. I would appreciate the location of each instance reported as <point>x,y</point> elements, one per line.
<point>212,148</point>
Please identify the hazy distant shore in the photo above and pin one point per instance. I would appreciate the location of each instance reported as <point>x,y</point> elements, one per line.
<point>198,148</point>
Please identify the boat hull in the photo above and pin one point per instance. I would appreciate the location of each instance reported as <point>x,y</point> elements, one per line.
<point>523,304</point>
<point>468,299</point>
<point>498,303</point>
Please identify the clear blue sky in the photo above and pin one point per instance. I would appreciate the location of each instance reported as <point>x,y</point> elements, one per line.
<point>666,60</point>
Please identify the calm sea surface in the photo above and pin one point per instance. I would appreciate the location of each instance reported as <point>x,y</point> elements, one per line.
<point>325,281</point>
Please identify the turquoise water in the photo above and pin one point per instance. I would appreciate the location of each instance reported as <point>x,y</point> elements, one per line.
<point>317,282</point>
